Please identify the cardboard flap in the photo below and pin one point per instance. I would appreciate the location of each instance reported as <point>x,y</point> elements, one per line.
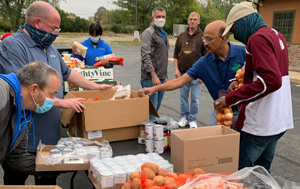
<point>152,109</point>
<point>30,187</point>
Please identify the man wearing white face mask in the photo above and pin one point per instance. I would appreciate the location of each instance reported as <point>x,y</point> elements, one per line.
<point>154,55</point>
<point>31,89</point>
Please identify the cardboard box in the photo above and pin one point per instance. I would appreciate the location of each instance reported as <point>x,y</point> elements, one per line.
<point>29,187</point>
<point>41,166</point>
<point>214,149</point>
<point>98,186</point>
<point>113,120</point>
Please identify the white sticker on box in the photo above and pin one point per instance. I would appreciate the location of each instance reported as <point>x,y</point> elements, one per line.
<point>95,134</point>
<point>73,159</point>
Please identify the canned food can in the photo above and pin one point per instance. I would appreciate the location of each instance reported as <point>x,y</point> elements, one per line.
<point>56,156</point>
<point>142,130</point>
<point>107,179</point>
<point>149,145</point>
<point>159,146</point>
<point>119,177</point>
<point>149,130</point>
<point>166,139</point>
<point>161,121</point>
<point>105,153</point>
<point>60,147</point>
<point>158,132</point>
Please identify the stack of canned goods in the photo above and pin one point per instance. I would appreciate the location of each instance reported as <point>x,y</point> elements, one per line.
<point>154,134</point>
<point>111,172</point>
<point>75,148</point>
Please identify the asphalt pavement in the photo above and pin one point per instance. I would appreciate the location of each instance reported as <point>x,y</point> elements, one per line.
<point>286,164</point>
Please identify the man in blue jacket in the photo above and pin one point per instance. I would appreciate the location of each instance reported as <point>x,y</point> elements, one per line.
<point>96,47</point>
<point>32,89</point>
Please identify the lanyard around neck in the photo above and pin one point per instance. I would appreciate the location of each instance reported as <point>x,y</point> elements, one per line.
<point>223,81</point>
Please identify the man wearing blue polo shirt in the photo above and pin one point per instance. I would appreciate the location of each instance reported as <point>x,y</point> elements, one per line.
<point>216,68</point>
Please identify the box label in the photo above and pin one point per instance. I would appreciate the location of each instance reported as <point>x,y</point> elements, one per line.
<point>99,73</point>
<point>225,160</point>
<point>74,159</point>
<point>95,134</point>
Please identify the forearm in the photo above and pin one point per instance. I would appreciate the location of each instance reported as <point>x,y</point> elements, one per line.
<point>174,83</point>
<point>78,80</point>
<point>175,64</point>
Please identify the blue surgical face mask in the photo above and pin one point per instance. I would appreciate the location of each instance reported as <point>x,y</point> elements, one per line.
<point>95,39</point>
<point>42,38</point>
<point>48,104</point>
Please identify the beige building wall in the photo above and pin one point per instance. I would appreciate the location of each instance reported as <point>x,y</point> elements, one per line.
<point>270,6</point>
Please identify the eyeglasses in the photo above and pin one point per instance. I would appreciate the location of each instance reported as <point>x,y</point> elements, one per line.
<point>55,29</point>
<point>209,39</point>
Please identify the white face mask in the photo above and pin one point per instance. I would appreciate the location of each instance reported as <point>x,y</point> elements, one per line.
<point>159,22</point>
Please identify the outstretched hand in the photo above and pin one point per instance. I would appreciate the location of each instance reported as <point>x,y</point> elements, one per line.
<point>73,103</point>
<point>147,91</point>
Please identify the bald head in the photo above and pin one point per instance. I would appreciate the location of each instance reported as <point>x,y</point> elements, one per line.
<point>216,27</point>
<point>42,10</point>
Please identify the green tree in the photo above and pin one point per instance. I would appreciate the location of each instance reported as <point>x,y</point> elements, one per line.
<point>72,23</point>
<point>14,11</point>
<point>177,11</point>
<point>120,20</point>
<point>105,17</point>
<point>144,8</point>
<point>99,13</point>
<point>210,14</point>
<point>223,6</point>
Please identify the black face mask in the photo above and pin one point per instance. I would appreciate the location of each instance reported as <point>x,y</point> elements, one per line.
<point>42,38</point>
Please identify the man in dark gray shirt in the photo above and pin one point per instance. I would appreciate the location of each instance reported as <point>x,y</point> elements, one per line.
<point>154,53</point>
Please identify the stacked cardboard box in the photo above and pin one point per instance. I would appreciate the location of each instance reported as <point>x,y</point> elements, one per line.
<point>113,120</point>
<point>214,149</point>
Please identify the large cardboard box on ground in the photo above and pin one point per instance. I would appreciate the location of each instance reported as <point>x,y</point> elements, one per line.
<point>113,120</point>
<point>41,166</point>
<point>214,149</point>
<point>30,187</point>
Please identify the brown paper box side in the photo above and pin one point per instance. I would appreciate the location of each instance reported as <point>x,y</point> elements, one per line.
<point>30,186</point>
<point>41,166</point>
<point>216,149</point>
<point>104,105</point>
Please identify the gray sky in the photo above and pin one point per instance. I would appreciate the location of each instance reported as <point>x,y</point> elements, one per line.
<point>85,8</point>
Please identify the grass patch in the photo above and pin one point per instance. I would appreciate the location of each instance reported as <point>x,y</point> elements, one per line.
<point>231,39</point>
<point>126,43</point>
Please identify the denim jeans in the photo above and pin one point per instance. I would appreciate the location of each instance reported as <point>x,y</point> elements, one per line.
<point>186,110</point>
<point>213,120</point>
<point>257,150</point>
<point>156,97</point>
